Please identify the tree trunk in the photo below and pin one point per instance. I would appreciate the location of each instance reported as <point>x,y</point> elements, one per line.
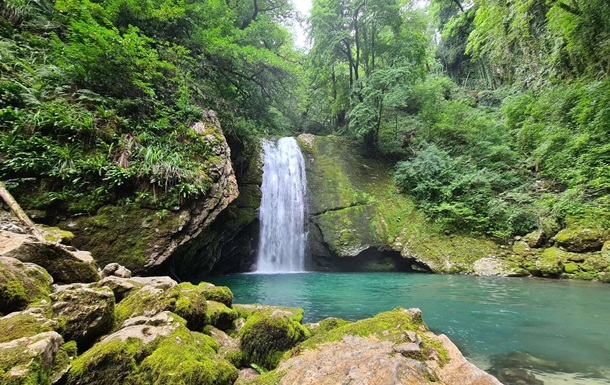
<point>19,213</point>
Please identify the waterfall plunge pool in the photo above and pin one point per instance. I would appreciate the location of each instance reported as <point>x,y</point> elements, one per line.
<point>525,331</point>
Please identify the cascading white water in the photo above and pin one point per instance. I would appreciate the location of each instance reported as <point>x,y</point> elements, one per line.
<point>283,208</point>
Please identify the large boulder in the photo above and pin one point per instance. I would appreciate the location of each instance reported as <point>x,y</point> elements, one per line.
<point>65,266</point>
<point>497,267</point>
<point>29,360</point>
<point>578,239</point>
<point>187,300</point>
<point>392,348</point>
<point>21,284</point>
<point>358,216</point>
<point>143,238</point>
<point>123,286</point>
<point>153,350</point>
<point>27,323</point>
<point>86,312</point>
<point>268,333</point>
<point>228,243</point>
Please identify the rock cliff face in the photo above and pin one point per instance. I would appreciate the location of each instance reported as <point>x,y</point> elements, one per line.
<point>229,242</point>
<point>144,238</point>
<point>359,221</point>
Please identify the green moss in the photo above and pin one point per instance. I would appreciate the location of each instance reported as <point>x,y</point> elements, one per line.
<point>190,304</point>
<point>60,263</point>
<point>183,357</point>
<point>186,358</point>
<point>356,205</point>
<point>578,238</point>
<point>124,234</point>
<point>12,296</point>
<point>220,294</point>
<point>570,268</point>
<point>22,325</point>
<point>109,363</point>
<point>220,315</point>
<point>146,301</point>
<point>550,263</point>
<point>63,359</point>
<point>585,276</point>
<point>328,324</point>
<point>21,284</point>
<point>595,263</point>
<point>186,300</point>
<point>55,234</point>
<point>521,248</point>
<point>34,372</point>
<point>245,311</point>
<point>390,326</point>
<point>269,378</point>
<point>267,334</point>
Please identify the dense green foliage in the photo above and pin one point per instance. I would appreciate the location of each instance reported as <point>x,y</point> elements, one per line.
<point>503,131</point>
<point>97,98</point>
<point>496,114</point>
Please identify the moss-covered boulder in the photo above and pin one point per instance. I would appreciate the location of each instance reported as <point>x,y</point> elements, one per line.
<point>578,239</point>
<point>187,300</point>
<point>220,315</point>
<point>498,267</point>
<point>87,313</point>
<point>27,323</point>
<point>392,348</point>
<point>535,239</point>
<point>355,207</point>
<point>220,294</point>
<point>121,287</point>
<point>267,334</point>
<point>29,360</point>
<point>155,350</point>
<point>141,237</point>
<point>55,234</point>
<point>21,284</point>
<point>551,262</point>
<point>63,265</point>
<point>326,325</point>
<point>246,310</point>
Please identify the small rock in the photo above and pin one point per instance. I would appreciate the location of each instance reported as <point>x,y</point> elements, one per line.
<point>414,337</point>
<point>114,269</point>
<point>248,374</point>
<point>407,349</point>
<point>535,239</point>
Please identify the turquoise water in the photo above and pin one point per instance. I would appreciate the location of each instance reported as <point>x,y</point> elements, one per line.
<point>526,331</point>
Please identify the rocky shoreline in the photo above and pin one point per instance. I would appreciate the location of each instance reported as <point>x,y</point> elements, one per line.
<point>115,328</point>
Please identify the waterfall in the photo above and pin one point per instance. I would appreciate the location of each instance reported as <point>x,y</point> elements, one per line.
<point>283,208</point>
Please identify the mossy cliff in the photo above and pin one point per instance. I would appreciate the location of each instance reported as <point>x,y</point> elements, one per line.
<point>356,212</point>
<point>359,221</point>
<point>141,236</point>
<point>227,244</point>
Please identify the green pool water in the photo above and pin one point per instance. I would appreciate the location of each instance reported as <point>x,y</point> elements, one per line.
<point>525,331</point>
